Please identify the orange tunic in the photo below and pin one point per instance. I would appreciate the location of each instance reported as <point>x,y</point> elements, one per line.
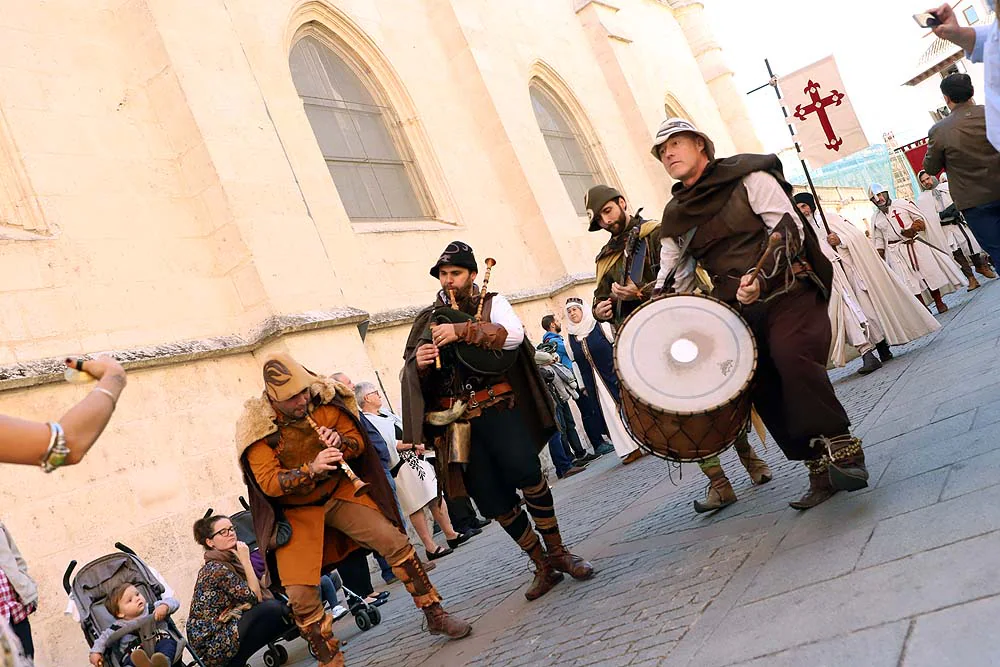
<point>282,474</point>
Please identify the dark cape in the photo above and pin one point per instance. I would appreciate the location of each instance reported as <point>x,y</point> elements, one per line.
<point>603,357</point>
<point>257,423</point>
<point>530,391</point>
<point>702,201</point>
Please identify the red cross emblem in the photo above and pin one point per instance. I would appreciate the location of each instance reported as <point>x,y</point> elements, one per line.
<point>818,106</point>
<point>899,219</point>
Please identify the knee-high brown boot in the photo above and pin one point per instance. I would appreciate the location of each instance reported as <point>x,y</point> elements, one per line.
<point>963,263</point>
<point>518,527</point>
<point>720,491</point>
<point>427,599</point>
<point>542,509</point>
<point>820,489</point>
<point>322,641</point>
<point>758,470</point>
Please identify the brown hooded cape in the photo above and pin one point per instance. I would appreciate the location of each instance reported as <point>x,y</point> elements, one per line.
<point>702,201</point>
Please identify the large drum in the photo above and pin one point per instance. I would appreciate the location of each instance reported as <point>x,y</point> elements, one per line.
<point>684,364</point>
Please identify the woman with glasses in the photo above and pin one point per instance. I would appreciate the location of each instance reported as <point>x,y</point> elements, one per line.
<point>232,616</point>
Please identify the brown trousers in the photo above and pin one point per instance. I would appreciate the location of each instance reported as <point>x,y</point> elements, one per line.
<point>792,391</point>
<point>366,526</point>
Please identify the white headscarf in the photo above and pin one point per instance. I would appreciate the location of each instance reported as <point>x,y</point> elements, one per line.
<point>586,325</point>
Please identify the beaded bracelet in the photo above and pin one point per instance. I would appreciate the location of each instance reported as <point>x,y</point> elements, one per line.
<point>57,452</point>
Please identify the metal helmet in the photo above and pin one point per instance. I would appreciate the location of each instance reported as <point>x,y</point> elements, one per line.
<point>874,192</point>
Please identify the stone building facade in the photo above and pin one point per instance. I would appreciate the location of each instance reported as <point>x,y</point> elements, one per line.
<point>193,183</point>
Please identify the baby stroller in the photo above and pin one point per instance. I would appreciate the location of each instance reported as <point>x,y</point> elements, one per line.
<point>90,587</point>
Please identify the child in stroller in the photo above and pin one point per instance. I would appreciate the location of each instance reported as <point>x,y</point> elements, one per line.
<point>127,604</point>
<point>89,593</point>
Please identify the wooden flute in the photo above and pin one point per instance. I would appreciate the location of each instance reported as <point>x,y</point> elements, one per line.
<point>360,487</point>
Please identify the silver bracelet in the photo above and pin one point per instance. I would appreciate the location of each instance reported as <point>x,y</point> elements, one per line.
<point>114,401</point>
<point>57,452</point>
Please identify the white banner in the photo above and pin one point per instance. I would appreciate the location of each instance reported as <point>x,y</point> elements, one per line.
<point>821,113</point>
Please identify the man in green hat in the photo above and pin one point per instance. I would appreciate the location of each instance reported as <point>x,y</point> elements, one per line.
<point>617,296</point>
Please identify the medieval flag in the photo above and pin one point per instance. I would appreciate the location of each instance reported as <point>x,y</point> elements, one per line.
<point>821,113</point>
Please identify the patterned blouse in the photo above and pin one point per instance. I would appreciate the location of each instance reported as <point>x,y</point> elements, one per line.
<point>217,590</point>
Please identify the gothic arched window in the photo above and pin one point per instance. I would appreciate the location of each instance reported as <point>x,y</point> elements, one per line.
<point>566,144</point>
<point>359,136</point>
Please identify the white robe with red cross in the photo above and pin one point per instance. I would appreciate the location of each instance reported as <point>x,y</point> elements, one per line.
<point>921,267</point>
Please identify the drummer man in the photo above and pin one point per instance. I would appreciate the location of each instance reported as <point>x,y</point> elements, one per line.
<point>614,301</point>
<point>723,213</point>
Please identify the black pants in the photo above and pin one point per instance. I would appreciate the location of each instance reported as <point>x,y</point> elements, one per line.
<point>262,623</point>
<point>564,417</point>
<point>504,458</point>
<point>355,574</point>
<point>593,419</point>
<point>462,513</point>
<point>792,390</point>
<point>23,632</point>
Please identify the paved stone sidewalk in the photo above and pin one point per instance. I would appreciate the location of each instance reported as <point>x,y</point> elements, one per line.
<point>903,573</point>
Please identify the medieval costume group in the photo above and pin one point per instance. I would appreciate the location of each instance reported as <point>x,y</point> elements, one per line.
<point>472,391</point>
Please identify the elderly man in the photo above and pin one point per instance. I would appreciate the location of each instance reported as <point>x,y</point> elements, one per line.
<point>294,442</point>
<point>946,227</point>
<point>722,213</point>
<point>958,144</point>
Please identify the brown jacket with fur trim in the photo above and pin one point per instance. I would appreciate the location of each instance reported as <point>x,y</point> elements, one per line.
<point>273,460</point>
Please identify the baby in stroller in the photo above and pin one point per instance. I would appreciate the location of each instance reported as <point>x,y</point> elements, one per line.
<point>142,606</point>
<point>127,604</point>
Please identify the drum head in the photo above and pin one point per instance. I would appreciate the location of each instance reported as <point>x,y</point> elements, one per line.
<point>685,354</point>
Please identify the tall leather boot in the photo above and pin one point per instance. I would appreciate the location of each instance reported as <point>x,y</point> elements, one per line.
<point>545,576</point>
<point>870,365</point>
<point>322,642</point>
<point>820,489</point>
<point>983,266</point>
<point>561,560</point>
<point>758,470</point>
<point>884,353</point>
<point>847,462</point>
<point>516,524</point>
<point>720,491</point>
<point>427,599</point>
<point>963,263</point>
<point>938,303</point>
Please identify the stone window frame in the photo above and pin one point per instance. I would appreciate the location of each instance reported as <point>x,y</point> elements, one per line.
<point>21,215</point>
<point>674,109</point>
<point>553,86</point>
<point>336,31</point>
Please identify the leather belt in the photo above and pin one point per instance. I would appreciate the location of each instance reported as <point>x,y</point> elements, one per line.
<point>481,396</point>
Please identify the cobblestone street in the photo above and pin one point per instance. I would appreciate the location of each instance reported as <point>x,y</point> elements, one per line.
<point>902,573</point>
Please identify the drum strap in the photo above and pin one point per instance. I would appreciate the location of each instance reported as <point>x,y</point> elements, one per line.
<point>685,241</point>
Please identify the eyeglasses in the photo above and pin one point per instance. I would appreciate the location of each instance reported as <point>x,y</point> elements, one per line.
<point>228,530</point>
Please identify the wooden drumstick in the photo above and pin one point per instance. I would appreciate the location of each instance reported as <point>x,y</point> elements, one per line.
<point>772,242</point>
<point>360,487</point>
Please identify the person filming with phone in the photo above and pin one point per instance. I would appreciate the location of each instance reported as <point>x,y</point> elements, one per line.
<point>982,45</point>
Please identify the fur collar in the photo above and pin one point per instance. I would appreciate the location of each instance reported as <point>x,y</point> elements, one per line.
<point>257,420</point>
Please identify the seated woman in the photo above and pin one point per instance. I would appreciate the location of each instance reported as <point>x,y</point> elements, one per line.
<point>231,616</point>
<point>416,483</point>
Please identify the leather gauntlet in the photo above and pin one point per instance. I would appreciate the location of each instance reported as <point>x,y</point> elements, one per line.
<point>482,334</point>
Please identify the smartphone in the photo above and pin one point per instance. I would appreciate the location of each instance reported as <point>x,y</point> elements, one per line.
<point>926,20</point>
